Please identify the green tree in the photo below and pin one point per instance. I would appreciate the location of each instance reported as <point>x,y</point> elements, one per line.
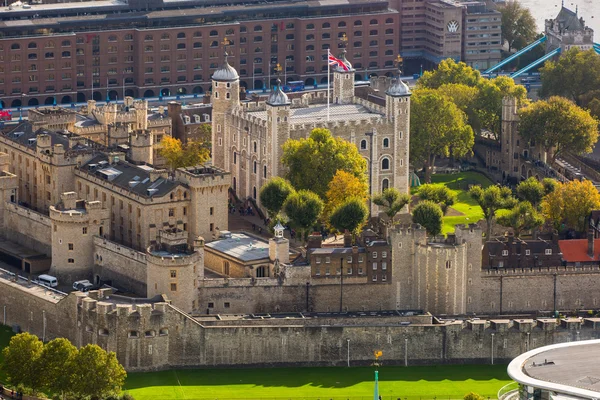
<point>522,217</point>
<point>571,203</point>
<point>303,209</point>
<point>439,194</point>
<point>550,185</point>
<point>532,191</point>
<point>492,199</point>
<point>559,126</point>
<point>97,373</point>
<point>342,187</point>
<point>429,215</point>
<point>575,75</point>
<point>445,135</point>
<point>488,104</point>
<point>447,72</point>
<point>466,99</point>
<point>518,25</point>
<point>273,194</point>
<point>55,365</point>
<point>312,162</point>
<point>21,361</point>
<point>392,201</point>
<point>350,216</point>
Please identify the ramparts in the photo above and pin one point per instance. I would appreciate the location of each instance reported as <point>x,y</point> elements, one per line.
<point>28,228</point>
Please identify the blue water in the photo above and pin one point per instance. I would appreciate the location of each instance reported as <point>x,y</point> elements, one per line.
<point>546,9</point>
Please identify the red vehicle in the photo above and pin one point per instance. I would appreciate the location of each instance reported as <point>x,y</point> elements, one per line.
<point>5,115</point>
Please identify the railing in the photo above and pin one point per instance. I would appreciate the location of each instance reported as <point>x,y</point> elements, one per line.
<point>509,392</point>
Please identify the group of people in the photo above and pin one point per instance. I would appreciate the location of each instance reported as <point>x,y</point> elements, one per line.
<point>242,210</point>
<point>11,393</point>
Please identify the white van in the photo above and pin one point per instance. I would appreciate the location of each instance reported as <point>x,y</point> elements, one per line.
<point>47,280</point>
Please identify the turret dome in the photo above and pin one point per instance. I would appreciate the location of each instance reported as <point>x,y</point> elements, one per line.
<point>278,97</point>
<point>398,88</point>
<point>226,72</point>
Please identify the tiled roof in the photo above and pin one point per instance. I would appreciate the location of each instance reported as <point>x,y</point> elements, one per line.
<point>576,250</point>
<point>318,113</point>
<point>241,246</point>
<point>570,20</point>
<point>25,135</point>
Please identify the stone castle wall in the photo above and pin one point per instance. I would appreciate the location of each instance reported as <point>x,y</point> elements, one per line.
<point>28,228</point>
<point>125,267</point>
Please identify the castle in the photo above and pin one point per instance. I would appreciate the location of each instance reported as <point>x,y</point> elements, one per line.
<point>248,137</point>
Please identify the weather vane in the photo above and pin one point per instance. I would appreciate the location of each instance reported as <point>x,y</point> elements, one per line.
<point>277,69</point>
<point>225,43</point>
<point>399,62</point>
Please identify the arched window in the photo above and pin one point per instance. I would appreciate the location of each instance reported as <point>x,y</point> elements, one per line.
<point>385,184</point>
<point>389,21</point>
<point>310,26</point>
<point>197,34</point>
<point>32,45</point>
<point>310,37</point>
<point>326,25</point>
<point>66,43</point>
<point>181,35</point>
<point>197,45</point>
<point>148,38</point>
<point>326,36</point>
<point>310,47</point>
<point>213,33</point>
<point>66,54</point>
<point>373,32</point>
<point>254,192</point>
<point>165,36</point>
<point>385,164</point>
<point>363,144</point>
<point>386,143</point>
<point>265,171</point>
<point>357,23</point>
<point>214,43</point>
<point>357,44</point>
<point>180,46</point>
<point>15,46</point>
<point>357,33</point>
<point>341,24</point>
<point>254,167</point>
<point>389,31</point>
<point>373,22</point>
<point>258,28</point>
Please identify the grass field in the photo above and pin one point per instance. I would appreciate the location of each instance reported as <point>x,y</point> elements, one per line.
<point>412,383</point>
<point>459,184</point>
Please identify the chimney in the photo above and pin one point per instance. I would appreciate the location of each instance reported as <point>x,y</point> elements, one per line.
<point>590,238</point>
<point>314,241</point>
<point>347,239</point>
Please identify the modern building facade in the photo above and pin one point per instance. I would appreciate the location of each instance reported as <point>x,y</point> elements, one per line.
<point>57,53</point>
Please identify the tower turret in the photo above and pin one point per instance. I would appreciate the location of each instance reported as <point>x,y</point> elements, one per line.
<point>226,96</point>
<point>278,127</point>
<point>343,81</point>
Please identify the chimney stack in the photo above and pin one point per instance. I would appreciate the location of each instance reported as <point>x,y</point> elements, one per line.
<point>347,239</point>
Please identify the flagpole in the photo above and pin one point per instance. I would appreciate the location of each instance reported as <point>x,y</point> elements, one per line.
<point>328,85</point>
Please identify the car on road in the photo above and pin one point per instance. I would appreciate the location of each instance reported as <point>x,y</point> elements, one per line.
<point>83,285</point>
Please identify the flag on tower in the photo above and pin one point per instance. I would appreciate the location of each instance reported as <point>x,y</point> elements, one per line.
<point>336,62</point>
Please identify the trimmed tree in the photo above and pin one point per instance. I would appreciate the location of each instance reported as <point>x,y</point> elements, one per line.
<point>350,216</point>
<point>439,194</point>
<point>522,217</point>
<point>532,191</point>
<point>97,373</point>
<point>492,199</point>
<point>56,358</point>
<point>342,187</point>
<point>312,162</point>
<point>559,126</point>
<point>449,71</point>
<point>273,194</point>
<point>21,361</point>
<point>303,209</point>
<point>392,201</point>
<point>429,215</point>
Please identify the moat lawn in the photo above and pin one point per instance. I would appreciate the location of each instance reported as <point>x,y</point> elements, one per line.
<point>412,383</point>
<point>465,210</point>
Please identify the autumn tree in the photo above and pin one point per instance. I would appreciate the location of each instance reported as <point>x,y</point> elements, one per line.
<point>449,72</point>
<point>571,203</point>
<point>532,191</point>
<point>273,194</point>
<point>439,194</point>
<point>312,162</point>
<point>351,215</point>
<point>445,135</point>
<point>429,215</point>
<point>21,361</point>
<point>518,25</point>
<point>96,372</point>
<point>559,126</point>
<point>522,217</point>
<point>303,208</point>
<point>575,75</point>
<point>392,201</point>
<point>342,187</point>
<point>492,199</point>
<point>178,155</point>
<point>57,357</point>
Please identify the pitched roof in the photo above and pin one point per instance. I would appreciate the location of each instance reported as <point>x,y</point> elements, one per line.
<point>569,20</point>
<point>576,250</point>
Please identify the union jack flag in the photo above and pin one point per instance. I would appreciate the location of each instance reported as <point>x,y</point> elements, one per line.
<point>336,62</point>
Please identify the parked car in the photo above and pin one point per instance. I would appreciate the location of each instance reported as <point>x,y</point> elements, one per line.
<point>83,285</point>
<point>47,280</point>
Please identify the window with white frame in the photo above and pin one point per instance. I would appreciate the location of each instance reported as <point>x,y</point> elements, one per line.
<point>374,266</point>
<point>548,252</point>
<point>504,252</point>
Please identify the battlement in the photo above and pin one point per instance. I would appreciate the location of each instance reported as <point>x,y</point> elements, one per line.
<point>369,105</point>
<point>203,176</point>
<point>72,211</point>
<point>8,180</point>
<point>101,303</point>
<point>120,249</point>
<point>572,270</point>
<point>373,120</point>
<point>28,213</point>
<point>163,258</point>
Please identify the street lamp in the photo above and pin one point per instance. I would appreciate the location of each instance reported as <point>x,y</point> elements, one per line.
<point>348,340</point>
<point>21,108</point>
<point>492,349</point>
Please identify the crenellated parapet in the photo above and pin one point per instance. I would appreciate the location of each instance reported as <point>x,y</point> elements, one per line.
<point>202,177</point>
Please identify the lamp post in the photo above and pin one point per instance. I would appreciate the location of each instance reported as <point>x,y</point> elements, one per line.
<point>21,108</point>
<point>341,282</point>
<point>253,73</point>
<point>348,341</point>
<point>406,352</point>
<point>285,71</point>
<point>44,326</point>
<point>492,349</point>
<point>370,135</point>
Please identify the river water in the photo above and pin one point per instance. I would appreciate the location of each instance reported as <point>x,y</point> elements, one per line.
<point>546,9</point>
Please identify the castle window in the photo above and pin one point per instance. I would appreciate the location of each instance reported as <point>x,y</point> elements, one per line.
<point>173,273</point>
<point>363,144</point>
<point>226,304</point>
<point>254,145</point>
<point>254,167</point>
<point>103,332</point>
<point>386,143</point>
<point>234,157</point>
<point>211,227</point>
<point>133,334</point>
<point>171,212</point>
<point>385,164</point>
<point>173,287</point>
<point>163,332</point>
<point>216,95</point>
<point>84,230</point>
<point>71,246</point>
<point>150,333</point>
<point>527,252</point>
<point>254,192</point>
<point>71,261</point>
<point>385,184</point>
<point>228,95</point>
<point>448,264</point>
<point>265,171</point>
<point>211,305</point>
<point>211,211</point>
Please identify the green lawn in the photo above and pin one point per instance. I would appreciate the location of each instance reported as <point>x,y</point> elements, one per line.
<point>412,383</point>
<point>459,184</point>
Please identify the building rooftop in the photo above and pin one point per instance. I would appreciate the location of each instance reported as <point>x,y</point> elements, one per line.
<point>334,250</point>
<point>25,134</point>
<point>318,113</point>
<point>576,250</point>
<point>242,247</point>
<point>568,368</point>
<point>136,179</point>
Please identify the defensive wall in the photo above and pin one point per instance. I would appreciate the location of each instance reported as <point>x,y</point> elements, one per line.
<point>121,265</point>
<point>28,228</point>
<point>158,335</point>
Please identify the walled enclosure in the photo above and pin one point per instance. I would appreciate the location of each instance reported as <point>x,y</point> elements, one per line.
<point>158,336</point>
